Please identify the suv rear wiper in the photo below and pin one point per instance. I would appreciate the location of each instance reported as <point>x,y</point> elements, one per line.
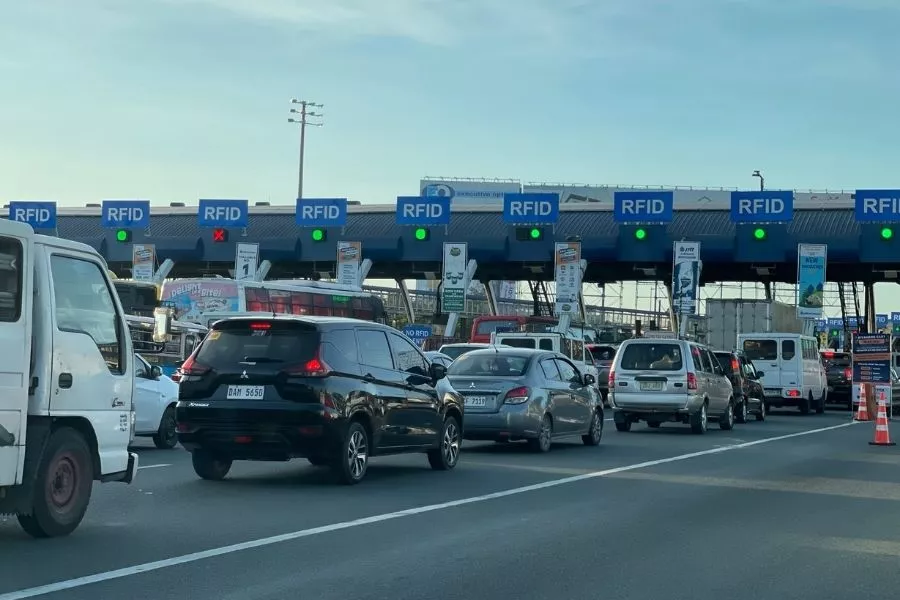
<point>261,359</point>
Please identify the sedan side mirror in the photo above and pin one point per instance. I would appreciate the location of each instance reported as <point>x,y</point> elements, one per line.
<point>155,372</point>
<point>589,379</point>
<point>759,374</point>
<point>437,371</point>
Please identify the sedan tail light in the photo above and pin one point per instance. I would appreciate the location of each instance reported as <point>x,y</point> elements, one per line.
<point>517,395</point>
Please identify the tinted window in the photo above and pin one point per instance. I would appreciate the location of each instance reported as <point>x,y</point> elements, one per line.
<point>662,356</point>
<point>137,299</point>
<point>724,359</point>
<point>546,344</point>
<point>84,304</point>
<point>567,371</point>
<point>838,360</point>
<point>407,357</point>
<point>761,349</point>
<point>489,364</point>
<point>548,368</point>
<point>603,353</point>
<point>374,350</point>
<point>279,343</point>
<point>788,349</point>
<point>10,280</point>
<point>340,350</point>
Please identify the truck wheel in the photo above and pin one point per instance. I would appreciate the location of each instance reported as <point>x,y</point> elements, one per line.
<point>208,466</point>
<point>62,489</point>
<point>167,436</point>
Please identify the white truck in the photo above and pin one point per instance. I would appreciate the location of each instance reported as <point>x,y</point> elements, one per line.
<point>66,380</point>
<point>727,319</point>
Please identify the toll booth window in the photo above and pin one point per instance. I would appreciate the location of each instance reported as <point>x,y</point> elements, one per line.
<point>761,349</point>
<point>788,349</point>
<point>10,280</point>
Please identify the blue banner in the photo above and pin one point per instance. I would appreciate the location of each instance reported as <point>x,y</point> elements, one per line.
<point>127,214</point>
<point>531,209</point>
<point>223,213</point>
<point>835,322</point>
<point>811,261</point>
<point>423,210</point>
<point>643,207</point>
<point>872,358</point>
<point>762,207</point>
<point>881,321</point>
<point>417,333</point>
<point>321,212</point>
<point>895,318</point>
<point>40,215</point>
<point>877,206</point>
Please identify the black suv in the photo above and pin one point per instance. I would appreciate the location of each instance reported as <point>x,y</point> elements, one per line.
<point>335,391</point>
<point>839,372</point>
<point>746,382</point>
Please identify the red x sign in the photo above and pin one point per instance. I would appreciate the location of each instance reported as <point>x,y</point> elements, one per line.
<point>220,235</point>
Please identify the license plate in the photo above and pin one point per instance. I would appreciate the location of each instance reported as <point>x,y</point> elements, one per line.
<point>476,401</point>
<point>246,392</point>
<point>651,386</point>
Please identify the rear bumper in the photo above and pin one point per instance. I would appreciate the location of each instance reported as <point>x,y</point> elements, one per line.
<point>510,423</point>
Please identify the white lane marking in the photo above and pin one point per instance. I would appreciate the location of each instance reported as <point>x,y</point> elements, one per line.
<point>146,467</point>
<point>286,537</point>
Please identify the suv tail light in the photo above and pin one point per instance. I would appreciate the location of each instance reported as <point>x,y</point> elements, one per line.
<point>611,380</point>
<point>848,373</point>
<point>191,368</point>
<point>517,395</point>
<point>692,381</point>
<point>314,367</point>
<point>735,366</point>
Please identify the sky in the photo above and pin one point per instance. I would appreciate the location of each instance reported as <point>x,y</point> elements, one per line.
<point>172,100</point>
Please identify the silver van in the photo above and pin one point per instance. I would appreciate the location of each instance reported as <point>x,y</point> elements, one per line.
<point>660,380</point>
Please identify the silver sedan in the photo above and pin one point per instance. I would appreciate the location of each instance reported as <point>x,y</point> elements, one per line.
<point>521,394</point>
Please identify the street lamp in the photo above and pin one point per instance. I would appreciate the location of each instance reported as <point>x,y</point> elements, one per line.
<point>762,180</point>
<point>302,118</point>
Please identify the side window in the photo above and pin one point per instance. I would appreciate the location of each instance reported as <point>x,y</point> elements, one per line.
<point>695,358</point>
<point>140,367</point>
<point>407,357</point>
<point>567,371</point>
<point>577,350</point>
<point>788,349</point>
<point>10,280</point>
<point>748,369</point>
<point>714,365</point>
<point>546,344</point>
<point>85,305</point>
<point>340,349</point>
<point>550,371</point>
<point>373,349</point>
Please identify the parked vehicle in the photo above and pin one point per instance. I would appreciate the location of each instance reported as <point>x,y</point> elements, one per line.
<point>333,390</point>
<point>441,359</point>
<point>155,396</point>
<point>603,355</point>
<point>659,380</point>
<point>746,382</point>
<point>794,373</point>
<point>521,394</point>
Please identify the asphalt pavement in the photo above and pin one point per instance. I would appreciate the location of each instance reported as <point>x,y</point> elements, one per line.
<point>796,507</point>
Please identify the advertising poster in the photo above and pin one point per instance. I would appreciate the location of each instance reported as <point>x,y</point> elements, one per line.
<point>246,262</point>
<point>871,366</point>
<point>811,261</point>
<point>193,298</point>
<point>567,275</point>
<point>686,277</point>
<point>143,262</point>
<point>453,288</point>
<point>349,255</point>
<point>469,192</point>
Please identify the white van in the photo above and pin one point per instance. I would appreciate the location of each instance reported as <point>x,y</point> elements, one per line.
<point>793,373</point>
<point>67,386</point>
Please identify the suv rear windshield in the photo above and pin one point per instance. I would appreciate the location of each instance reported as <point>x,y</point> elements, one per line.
<point>489,364</point>
<point>602,352</point>
<point>838,359</point>
<point>724,359</point>
<point>455,352</point>
<point>661,356</point>
<point>280,343</point>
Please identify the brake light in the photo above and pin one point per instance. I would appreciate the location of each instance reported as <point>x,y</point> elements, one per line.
<point>191,368</point>
<point>735,365</point>
<point>611,380</point>
<point>314,367</point>
<point>692,381</point>
<point>516,395</point>
<point>828,354</point>
<point>793,393</point>
<point>261,326</point>
<point>176,376</point>
<point>848,373</point>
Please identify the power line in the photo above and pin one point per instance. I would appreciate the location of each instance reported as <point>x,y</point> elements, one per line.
<point>303,115</point>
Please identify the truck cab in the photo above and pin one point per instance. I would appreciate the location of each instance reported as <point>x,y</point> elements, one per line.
<point>67,382</point>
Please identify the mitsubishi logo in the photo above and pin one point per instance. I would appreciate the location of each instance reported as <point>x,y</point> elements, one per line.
<point>244,375</point>
<point>472,385</point>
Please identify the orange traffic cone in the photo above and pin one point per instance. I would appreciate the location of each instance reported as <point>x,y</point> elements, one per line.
<point>882,435</point>
<point>862,412</point>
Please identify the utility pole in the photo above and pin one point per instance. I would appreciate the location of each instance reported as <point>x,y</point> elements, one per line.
<point>303,115</point>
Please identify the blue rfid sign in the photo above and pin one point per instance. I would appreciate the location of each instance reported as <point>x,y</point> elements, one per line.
<point>423,210</point>
<point>531,209</point>
<point>321,212</point>
<point>762,207</point>
<point>223,213</point>
<point>417,333</point>
<point>877,206</point>
<point>127,214</point>
<point>643,207</point>
<point>40,215</point>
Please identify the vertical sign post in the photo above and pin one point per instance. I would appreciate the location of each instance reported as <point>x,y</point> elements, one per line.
<point>872,367</point>
<point>685,280</point>
<point>811,264</point>
<point>143,262</point>
<point>246,261</point>
<point>349,255</point>
<point>453,279</point>
<point>567,275</point>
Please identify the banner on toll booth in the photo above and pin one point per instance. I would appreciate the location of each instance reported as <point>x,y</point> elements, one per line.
<point>143,262</point>
<point>567,275</point>
<point>246,262</point>
<point>453,279</point>
<point>811,262</point>
<point>872,358</point>
<point>685,277</point>
<point>349,255</point>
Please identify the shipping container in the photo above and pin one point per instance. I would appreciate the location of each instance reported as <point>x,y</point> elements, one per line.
<point>725,319</point>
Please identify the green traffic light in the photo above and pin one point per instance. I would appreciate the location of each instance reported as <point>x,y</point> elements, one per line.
<point>535,233</point>
<point>887,233</point>
<point>421,234</point>
<point>318,235</point>
<point>759,233</point>
<point>122,235</point>
<point>640,234</point>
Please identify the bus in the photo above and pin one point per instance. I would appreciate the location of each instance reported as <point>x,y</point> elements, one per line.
<point>192,298</point>
<point>483,327</point>
<point>168,355</point>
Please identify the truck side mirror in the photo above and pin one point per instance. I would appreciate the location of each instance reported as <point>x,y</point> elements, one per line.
<point>155,372</point>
